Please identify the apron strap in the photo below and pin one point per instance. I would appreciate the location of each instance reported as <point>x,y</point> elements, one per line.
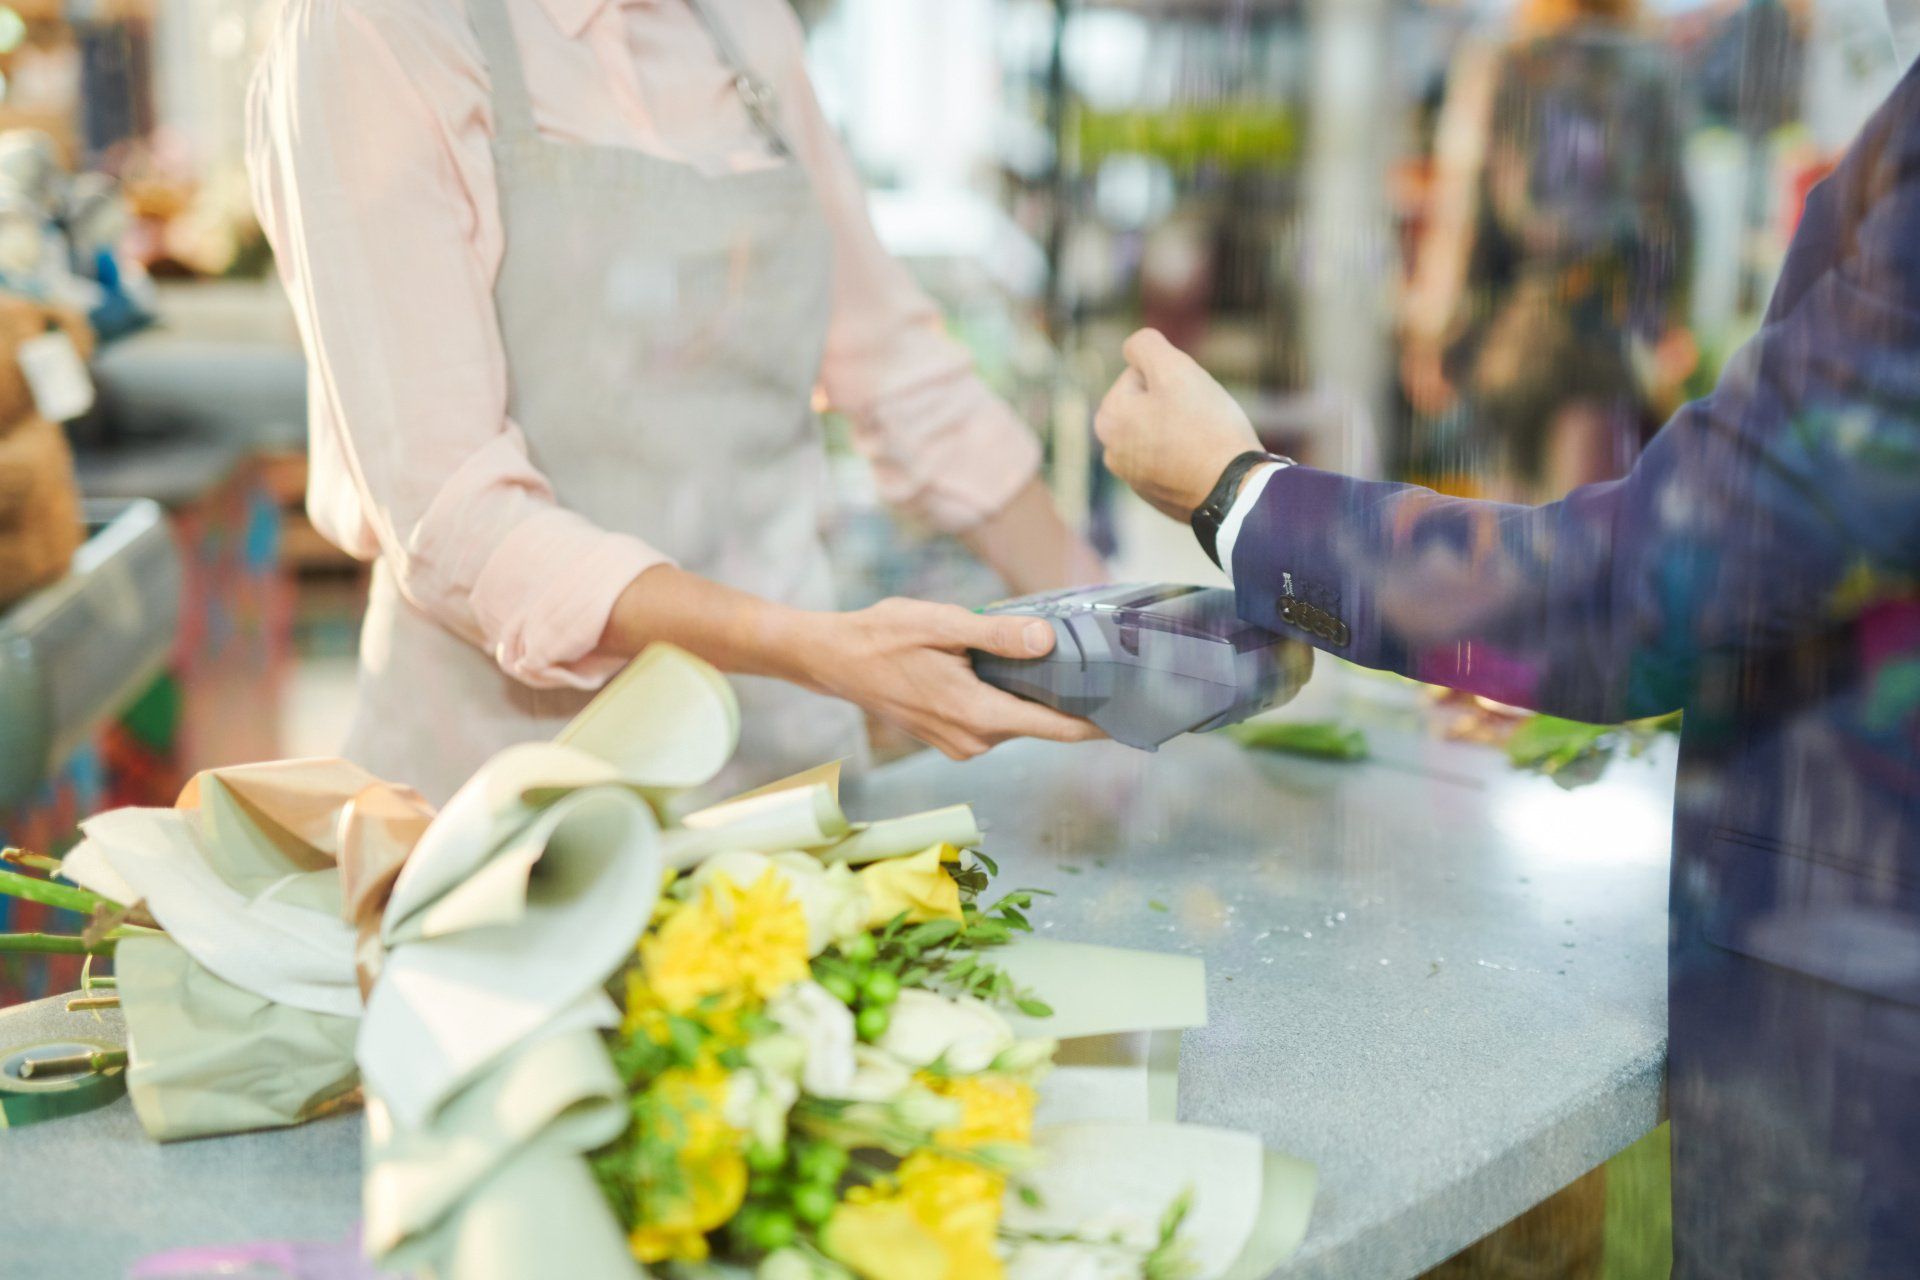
<point>512,105</point>
<point>758,95</point>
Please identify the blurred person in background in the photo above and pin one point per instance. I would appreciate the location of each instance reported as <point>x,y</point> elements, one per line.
<point>568,274</point>
<point>1550,287</point>
<point>1759,569</point>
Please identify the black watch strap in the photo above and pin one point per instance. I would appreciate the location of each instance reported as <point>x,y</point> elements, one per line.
<point>1208,516</point>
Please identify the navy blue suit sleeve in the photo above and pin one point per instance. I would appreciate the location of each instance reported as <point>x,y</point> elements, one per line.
<point>1776,506</point>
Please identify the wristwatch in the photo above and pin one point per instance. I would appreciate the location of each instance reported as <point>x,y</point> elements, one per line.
<point>1208,516</point>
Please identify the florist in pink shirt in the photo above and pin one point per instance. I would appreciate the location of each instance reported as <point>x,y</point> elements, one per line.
<point>570,274</point>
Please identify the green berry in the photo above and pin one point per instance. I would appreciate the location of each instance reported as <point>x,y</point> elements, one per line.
<point>821,1163</point>
<point>763,1185</point>
<point>813,1204</point>
<point>841,987</point>
<point>880,988</point>
<point>764,1159</point>
<point>872,1023</point>
<point>771,1229</point>
<point>861,948</point>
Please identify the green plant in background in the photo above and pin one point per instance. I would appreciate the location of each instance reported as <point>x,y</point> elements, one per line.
<point>1236,136</point>
<point>1639,1239</point>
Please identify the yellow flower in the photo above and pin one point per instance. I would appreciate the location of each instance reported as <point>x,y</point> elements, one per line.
<point>951,1203</point>
<point>731,942</point>
<point>958,1204</point>
<point>708,1182</point>
<point>879,1238</point>
<point>919,886</point>
<point>938,1219</point>
<point>994,1110</point>
<point>644,1012</point>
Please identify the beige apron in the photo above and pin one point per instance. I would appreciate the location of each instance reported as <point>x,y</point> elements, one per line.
<point>663,330</point>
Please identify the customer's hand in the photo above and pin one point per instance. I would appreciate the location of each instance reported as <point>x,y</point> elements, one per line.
<point>905,661</point>
<point>1169,428</point>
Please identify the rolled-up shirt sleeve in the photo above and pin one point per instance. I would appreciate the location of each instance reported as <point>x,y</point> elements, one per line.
<point>374,185</point>
<point>942,445</point>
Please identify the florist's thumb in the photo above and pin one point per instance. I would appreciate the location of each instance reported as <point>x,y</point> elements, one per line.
<point>1008,636</point>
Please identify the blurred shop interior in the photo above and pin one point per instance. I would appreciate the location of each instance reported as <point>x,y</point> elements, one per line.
<point>1489,246</point>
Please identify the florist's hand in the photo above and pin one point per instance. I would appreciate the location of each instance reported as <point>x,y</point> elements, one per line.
<point>905,661</point>
<point>1169,428</point>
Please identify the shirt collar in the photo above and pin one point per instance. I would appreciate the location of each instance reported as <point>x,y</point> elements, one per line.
<point>574,16</point>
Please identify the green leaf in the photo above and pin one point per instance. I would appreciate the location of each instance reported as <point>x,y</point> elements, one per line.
<point>930,934</point>
<point>1322,739</point>
<point>1154,904</point>
<point>1550,744</point>
<point>1175,1215</point>
<point>1034,1008</point>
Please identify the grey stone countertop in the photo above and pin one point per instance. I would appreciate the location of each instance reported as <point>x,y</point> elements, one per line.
<point>1441,981</point>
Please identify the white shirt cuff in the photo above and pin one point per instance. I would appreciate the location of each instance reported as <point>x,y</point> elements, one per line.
<point>1237,514</point>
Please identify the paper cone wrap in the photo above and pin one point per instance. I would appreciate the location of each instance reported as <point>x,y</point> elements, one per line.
<point>326,930</point>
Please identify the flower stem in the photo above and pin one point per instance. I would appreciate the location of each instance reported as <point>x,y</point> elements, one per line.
<point>54,944</point>
<point>23,858</point>
<point>64,897</point>
<point>74,1064</point>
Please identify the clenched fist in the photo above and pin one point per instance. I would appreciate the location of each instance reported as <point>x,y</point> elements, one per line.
<point>1168,428</point>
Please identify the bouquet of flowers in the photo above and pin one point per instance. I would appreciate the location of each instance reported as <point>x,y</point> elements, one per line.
<point>819,1078</point>
<point>598,1033</point>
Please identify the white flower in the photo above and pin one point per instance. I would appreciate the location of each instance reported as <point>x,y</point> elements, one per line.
<point>832,897</point>
<point>809,1013</point>
<point>834,1065</point>
<point>757,1104</point>
<point>1029,1059</point>
<point>927,1027</point>
<point>877,1077</point>
<point>792,1264</point>
<point>778,1055</point>
<point>1037,1261</point>
<point>923,1110</point>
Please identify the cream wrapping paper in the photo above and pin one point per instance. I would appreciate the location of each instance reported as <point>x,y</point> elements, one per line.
<point>209,1057</point>
<point>1099,991</point>
<point>487,1076</point>
<point>297,953</point>
<point>559,1096</point>
<point>1249,1207</point>
<point>485,934</point>
<point>1130,1077</point>
<point>528,933</point>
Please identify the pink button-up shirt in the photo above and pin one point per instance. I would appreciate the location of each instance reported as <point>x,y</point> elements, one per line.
<point>369,138</point>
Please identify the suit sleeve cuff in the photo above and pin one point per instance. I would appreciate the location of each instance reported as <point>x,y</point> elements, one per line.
<point>544,596</point>
<point>1229,535</point>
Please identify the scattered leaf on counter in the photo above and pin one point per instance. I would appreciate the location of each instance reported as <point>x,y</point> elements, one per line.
<point>1554,746</point>
<point>1154,904</point>
<point>1550,744</point>
<point>1321,739</point>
